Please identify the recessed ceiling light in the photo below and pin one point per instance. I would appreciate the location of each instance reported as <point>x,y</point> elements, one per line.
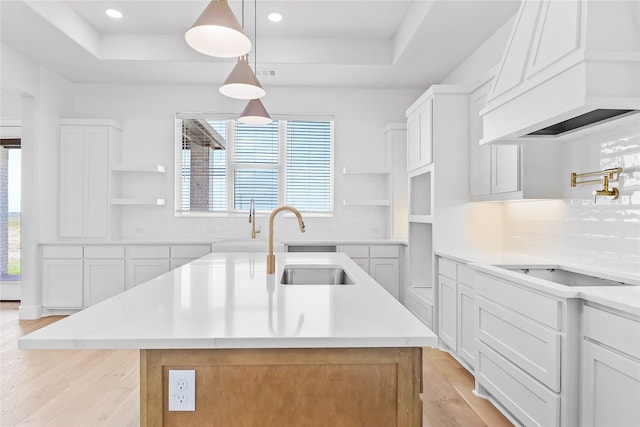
<point>113,13</point>
<point>275,17</point>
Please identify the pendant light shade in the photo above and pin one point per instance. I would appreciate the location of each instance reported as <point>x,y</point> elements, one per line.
<point>242,83</point>
<point>255,114</point>
<point>217,32</point>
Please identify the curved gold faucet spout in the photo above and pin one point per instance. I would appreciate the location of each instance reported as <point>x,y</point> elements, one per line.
<point>271,258</point>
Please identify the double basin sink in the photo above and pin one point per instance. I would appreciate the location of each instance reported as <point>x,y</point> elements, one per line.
<point>315,275</point>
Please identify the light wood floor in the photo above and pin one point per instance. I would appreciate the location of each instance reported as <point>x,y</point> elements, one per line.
<point>101,387</point>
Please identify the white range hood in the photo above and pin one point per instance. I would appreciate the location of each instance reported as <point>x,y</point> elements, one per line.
<point>568,64</point>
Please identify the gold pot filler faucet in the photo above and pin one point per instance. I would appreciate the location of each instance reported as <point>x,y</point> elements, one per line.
<point>271,258</point>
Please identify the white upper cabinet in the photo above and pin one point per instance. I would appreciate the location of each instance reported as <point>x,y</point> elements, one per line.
<point>510,171</point>
<point>85,151</point>
<point>419,134</point>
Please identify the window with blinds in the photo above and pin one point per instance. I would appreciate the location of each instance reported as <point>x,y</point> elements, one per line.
<point>286,162</point>
<point>309,165</point>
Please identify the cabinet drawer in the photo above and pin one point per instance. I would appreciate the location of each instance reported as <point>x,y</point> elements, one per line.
<point>62,252</point>
<point>355,251</point>
<point>466,275</point>
<point>620,333</point>
<point>534,348</point>
<point>147,252</point>
<point>529,401</point>
<point>384,251</point>
<point>104,252</point>
<point>190,251</point>
<point>540,308</point>
<point>447,268</point>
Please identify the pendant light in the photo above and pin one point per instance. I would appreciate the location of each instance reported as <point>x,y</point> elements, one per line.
<point>242,83</point>
<point>255,113</point>
<point>217,32</point>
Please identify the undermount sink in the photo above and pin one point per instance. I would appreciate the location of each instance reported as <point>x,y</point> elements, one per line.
<point>565,277</point>
<point>315,275</point>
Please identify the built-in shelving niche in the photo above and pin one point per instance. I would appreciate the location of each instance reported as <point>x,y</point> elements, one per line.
<point>421,195</point>
<point>371,185</point>
<point>138,169</point>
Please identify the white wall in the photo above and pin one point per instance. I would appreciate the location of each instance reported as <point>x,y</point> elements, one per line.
<point>45,97</point>
<point>147,114</point>
<point>604,234</point>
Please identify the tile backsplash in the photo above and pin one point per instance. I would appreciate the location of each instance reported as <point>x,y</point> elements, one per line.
<point>604,234</point>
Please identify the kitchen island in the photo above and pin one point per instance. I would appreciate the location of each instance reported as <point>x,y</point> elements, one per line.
<point>264,353</point>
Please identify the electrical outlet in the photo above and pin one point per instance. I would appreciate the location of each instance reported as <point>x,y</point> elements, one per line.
<point>182,389</point>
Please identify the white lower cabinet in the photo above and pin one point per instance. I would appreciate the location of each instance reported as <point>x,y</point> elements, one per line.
<point>457,309</point>
<point>78,276</point>
<point>527,356</point>
<point>143,270</point>
<point>386,271</point>
<point>381,262</point>
<point>103,269</point>
<point>144,262</point>
<point>467,325</point>
<point>448,310</point>
<point>62,283</point>
<point>103,278</point>
<point>62,276</point>
<point>610,369</point>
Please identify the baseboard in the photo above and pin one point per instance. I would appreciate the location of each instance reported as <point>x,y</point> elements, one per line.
<point>29,312</point>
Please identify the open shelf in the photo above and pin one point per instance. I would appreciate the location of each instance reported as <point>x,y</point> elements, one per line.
<point>365,171</point>
<point>138,201</point>
<point>371,202</point>
<point>424,219</point>
<point>126,167</point>
<point>421,195</point>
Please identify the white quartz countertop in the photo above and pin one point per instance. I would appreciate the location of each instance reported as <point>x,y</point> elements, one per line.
<point>624,298</point>
<point>226,300</point>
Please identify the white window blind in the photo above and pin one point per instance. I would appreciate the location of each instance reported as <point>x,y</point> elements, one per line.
<point>287,162</point>
<point>256,166</point>
<point>309,165</point>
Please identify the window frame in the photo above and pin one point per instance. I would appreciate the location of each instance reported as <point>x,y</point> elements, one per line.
<point>231,164</point>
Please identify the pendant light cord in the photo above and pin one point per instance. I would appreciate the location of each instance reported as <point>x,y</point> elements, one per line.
<point>255,36</point>
<point>243,14</point>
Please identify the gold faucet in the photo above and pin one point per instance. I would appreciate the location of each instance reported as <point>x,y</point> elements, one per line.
<point>271,258</point>
<point>252,219</point>
<point>605,176</point>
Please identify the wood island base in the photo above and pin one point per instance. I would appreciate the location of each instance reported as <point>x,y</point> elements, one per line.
<point>335,387</point>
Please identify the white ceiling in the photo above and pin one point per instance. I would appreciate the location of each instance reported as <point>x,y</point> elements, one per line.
<point>357,43</point>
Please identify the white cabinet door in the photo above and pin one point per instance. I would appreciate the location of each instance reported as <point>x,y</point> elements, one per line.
<point>419,136</point>
<point>610,388</point>
<point>386,271</point>
<point>103,278</point>
<point>62,283</point>
<point>96,175</point>
<point>466,324</point>
<point>448,313</point>
<point>71,162</point>
<point>426,133</point>
<point>479,155</point>
<point>413,142</point>
<point>363,263</point>
<point>84,174</point>
<point>142,270</point>
<point>505,168</point>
